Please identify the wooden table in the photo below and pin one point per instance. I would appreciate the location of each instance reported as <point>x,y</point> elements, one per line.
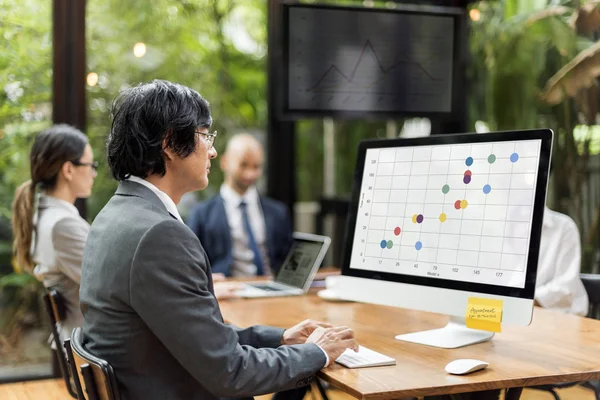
<point>554,348</point>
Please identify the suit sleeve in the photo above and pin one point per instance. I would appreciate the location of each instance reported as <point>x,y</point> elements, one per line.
<point>259,336</point>
<point>169,290</point>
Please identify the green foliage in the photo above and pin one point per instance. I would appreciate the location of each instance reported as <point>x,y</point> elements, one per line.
<point>25,90</point>
<point>192,43</point>
<point>510,46</point>
<point>518,47</point>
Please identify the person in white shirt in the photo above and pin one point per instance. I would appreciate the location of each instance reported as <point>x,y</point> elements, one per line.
<point>244,234</point>
<point>558,285</point>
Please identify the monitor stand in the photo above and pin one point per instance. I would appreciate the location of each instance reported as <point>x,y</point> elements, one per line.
<point>455,334</point>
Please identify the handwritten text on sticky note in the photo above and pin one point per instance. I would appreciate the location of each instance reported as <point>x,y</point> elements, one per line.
<point>484,314</point>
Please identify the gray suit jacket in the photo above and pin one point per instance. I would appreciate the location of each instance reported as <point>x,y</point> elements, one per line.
<point>149,309</point>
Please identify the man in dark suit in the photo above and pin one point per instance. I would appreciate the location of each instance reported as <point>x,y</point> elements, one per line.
<point>146,288</point>
<point>244,234</point>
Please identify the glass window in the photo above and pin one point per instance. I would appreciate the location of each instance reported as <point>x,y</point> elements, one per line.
<point>25,109</point>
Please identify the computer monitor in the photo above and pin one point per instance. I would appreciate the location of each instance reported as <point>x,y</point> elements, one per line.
<point>353,62</point>
<point>437,220</point>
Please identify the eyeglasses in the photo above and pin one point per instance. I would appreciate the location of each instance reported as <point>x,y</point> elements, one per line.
<point>209,138</point>
<point>94,164</point>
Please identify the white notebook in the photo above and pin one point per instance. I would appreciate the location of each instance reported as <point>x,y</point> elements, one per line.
<point>364,358</point>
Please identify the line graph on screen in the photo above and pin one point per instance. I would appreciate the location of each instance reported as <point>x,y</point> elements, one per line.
<point>334,80</point>
<point>407,67</point>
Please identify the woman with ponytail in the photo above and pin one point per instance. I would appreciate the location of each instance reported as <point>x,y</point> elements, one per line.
<point>49,235</point>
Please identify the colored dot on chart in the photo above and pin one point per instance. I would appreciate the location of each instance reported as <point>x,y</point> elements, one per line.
<point>469,161</point>
<point>419,218</point>
<point>464,204</point>
<point>414,218</point>
<point>467,179</point>
<point>397,231</point>
<point>442,217</point>
<point>383,244</point>
<point>514,157</point>
<point>487,189</point>
<point>445,189</point>
<point>468,173</point>
<point>492,158</point>
<point>389,244</point>
<point>418,245</point>
<point>457,204</point>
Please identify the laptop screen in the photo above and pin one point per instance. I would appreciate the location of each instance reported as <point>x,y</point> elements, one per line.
<point>298,265</point>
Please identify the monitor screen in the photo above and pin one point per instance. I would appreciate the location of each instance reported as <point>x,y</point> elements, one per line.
<point>455,211</point>
<point>342,60</point>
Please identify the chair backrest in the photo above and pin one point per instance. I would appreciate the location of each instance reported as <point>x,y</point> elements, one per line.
<point>55,308</point>
<point>96,377</point>
<point>592,287</point>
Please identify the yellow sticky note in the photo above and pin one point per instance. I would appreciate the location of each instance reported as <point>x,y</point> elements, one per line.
<point>484,314</point>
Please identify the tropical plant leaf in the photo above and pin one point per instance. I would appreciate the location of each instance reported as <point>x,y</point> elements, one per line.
<point>552,11</point>
<point>587,19</point>
<point>579,73</point>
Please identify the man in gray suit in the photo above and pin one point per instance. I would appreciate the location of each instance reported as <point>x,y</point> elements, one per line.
<point>146,289</point>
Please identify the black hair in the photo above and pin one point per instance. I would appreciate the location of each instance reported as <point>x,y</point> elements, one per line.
<point>51,149</point>
<point>147,115</point>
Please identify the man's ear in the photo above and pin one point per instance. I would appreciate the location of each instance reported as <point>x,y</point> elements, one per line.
<point>223,162</point>
<point>169,153</point>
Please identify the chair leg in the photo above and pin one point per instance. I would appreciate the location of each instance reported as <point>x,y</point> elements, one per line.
<point>321,389</point>
<point>556,396</point>
<point>595,386</point>
<point>513,394</point>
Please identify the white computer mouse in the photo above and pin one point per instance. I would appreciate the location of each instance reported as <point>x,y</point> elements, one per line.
<point>465,366</point>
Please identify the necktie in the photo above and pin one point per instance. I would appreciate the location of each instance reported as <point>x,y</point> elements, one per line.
<point>251,240</point>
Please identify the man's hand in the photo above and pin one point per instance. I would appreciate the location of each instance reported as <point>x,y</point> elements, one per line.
<point>334,341</point>
<point>227,290</point>
<point>298,334</point>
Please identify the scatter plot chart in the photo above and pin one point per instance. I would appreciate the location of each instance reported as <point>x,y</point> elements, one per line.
<point>459,212</point>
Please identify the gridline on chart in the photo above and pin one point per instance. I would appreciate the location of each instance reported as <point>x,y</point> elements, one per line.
<point>460,211</point>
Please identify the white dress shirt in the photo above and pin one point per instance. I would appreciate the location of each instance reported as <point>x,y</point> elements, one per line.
<point>166,200</point>
<point>243,257</point>
<point>558,284</point>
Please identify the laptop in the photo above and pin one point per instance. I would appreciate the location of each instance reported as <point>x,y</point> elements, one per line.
<point>297,271</point>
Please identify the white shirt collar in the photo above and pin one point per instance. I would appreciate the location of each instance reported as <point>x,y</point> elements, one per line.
<point>51,201</point>
<point>230,196</point>
<point>166,200</point>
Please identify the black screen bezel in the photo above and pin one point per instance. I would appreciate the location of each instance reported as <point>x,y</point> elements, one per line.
<point>536,226</point>
<point>457,107</point>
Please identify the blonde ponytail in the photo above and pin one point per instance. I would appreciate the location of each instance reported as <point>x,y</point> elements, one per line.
<point>22,224</point>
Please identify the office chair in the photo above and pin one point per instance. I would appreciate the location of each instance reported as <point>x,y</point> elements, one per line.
<point>591,282</point>
<point>56,310</point>
<point>95,377</point>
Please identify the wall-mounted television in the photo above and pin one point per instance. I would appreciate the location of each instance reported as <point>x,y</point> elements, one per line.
<point>360,62</point>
